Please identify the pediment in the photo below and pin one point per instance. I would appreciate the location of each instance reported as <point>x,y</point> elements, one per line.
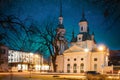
<point>74,48</point>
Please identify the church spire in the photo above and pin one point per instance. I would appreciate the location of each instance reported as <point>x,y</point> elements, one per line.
<point>83,24</point>
<point>60,8</point>
<point>73,37</point>
<point>83,16</point>
<point>73,34</point>
<point>60,17</point>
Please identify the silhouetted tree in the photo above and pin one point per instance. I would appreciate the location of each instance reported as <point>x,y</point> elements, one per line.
<point>17,35</point>
<point>47,33</point>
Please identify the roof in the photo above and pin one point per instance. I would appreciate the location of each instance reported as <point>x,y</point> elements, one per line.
<point>86,36</point>
<point>60,26</point>
<point>74,39</point>
<point>83,19</point>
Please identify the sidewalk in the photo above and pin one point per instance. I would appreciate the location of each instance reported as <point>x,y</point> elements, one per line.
<point>17,78</point>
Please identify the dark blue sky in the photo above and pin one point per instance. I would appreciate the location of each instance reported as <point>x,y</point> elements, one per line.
<point>103,18</point>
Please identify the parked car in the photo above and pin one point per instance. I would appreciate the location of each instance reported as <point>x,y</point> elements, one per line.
<point>92,73</point>
<point>19,70</point>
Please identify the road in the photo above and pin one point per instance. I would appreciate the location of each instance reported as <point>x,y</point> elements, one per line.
<point>38,76</point>
<point>46,76</point>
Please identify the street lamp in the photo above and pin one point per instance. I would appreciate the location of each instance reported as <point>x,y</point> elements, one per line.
<point>86,50</point>
<point>101,47</point>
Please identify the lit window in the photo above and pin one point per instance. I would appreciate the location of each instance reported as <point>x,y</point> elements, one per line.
<point>75,68</point>
<point>68,68</point>
<point>81,67</point>
<point>95,67</point>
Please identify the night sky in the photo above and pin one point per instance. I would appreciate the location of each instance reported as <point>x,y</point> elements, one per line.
<point>103,17</point>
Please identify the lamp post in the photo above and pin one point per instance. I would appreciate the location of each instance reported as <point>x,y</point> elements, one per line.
<point>41,63</point>
<point>87,50</point>
<point>11,75</point>
<point>102,48</point>
<point>30,64</point>
<point>36,62</point>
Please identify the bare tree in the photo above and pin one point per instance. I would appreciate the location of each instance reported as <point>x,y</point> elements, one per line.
<point>47,32</point>
<point>40,38</point>
<point>16,34</point>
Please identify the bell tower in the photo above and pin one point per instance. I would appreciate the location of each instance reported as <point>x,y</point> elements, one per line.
<point>60,28</point>
<point>60,33</point>
<point>83,24</point>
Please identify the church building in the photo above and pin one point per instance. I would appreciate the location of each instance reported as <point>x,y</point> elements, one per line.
<point>83,54</point>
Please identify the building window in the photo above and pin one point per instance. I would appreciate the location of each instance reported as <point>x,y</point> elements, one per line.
<point>95,59</point>
<point>11,54</point>
<point>68,59</point>
<point>82,59</point>
<point>68,68</point>
<point>11,60</point>
<point>74,59</point>
<point>81,67</point>
<point>75,68</point>
<point>8,54</point>
<point>95,67</point>
<point>81,28</point>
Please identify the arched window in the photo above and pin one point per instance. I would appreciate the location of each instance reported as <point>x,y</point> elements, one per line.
<point>95,67</point>
<point>81,67</point>
<point>68,68</point>
<point>81,28</point>
<point>75,68</point>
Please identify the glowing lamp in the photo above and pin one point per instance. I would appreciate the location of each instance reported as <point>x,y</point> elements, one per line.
<point>86,50</point>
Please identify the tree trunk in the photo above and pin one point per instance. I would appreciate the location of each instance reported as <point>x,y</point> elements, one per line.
<point>54,64</point>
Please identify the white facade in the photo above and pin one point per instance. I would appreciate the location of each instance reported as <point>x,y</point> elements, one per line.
<point>77,60</point>
<point>24,61</point>
<point>83,54</point>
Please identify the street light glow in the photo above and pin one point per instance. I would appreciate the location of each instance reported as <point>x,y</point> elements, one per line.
<point>101,47</point>
<point>86,50</point>
<point>31,54</point>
